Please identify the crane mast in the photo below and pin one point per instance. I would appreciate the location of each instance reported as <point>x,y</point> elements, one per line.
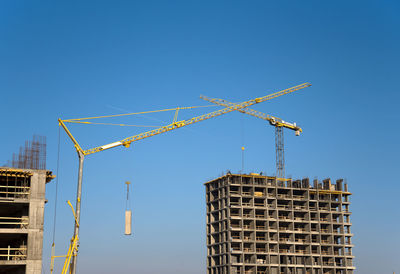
<point>280,152</point>
<point>73,253</point>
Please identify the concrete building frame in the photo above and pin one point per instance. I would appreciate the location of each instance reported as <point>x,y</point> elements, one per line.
<point>259,224</point>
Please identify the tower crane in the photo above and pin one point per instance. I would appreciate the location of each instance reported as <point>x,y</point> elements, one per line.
<point>71,258</point>
<point>278,123</point>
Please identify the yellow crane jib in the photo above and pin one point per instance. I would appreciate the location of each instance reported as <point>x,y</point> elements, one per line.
<point>275,121</point>
<point>177,124</point>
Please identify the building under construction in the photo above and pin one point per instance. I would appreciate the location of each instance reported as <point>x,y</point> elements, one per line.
<point>22,199</point>
<point>259,224</point>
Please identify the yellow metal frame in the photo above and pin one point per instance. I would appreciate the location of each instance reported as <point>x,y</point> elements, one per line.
<point>177,124</point>
<point>275,121</point>
<point>73,248</point>
<point>14,250</point>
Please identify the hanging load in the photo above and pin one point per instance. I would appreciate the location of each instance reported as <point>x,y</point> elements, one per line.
<point>128,212</point>
<point>128,222</point>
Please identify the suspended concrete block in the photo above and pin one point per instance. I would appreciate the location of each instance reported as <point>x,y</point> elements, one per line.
<point>128,222</point>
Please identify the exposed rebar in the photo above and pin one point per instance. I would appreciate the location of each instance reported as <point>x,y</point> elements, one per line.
<point>30,156</point>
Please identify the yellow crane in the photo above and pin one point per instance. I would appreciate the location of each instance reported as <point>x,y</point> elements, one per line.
<point>71,258</point>
<point>278,123</point>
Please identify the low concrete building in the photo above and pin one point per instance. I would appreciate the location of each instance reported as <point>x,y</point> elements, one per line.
<point>22,199</point>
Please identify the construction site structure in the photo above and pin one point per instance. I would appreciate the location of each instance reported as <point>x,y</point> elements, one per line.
<point>260,224</point>
<point>278,123</point>
<point>22,199</point>
<point>70,263</point>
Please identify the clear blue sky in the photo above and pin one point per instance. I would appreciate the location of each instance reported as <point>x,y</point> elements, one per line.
<point>84,58</point>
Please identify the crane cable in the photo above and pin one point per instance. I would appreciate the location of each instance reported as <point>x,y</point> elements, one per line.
<point>56,194</point>
<point>128,205</point>
<point>110,124</point>
<point>133,113</point>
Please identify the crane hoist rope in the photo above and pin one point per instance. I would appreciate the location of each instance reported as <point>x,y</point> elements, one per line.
<point>55,203</point>
<point>127,206</point>
<point>79,120</point>
<point>110,124</point>
<point>134,113</point>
